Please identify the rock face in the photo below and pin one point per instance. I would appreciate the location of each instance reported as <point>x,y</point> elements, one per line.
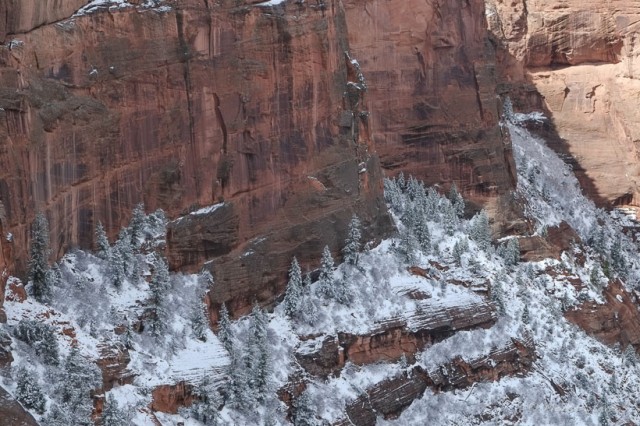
<point>391,396</point>
<point>326,355</point>
<point>617,321</point>
<point>581,58</point>
<point>430,69</point>
<point>277,111</point>
<point>169,398</point>
<point>12,413</point>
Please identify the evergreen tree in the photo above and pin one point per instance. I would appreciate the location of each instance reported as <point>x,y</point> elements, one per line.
<point>618,263</point>
<point>497,296</point>
<point>159,286</point>
<point>124,249</point>
<point>525,314</point>
<point>61,415</point>
<point>456,201</point>
<point>239,393</point>
<point>116,269</point>
<point>393,195</point>
<point>225,335</point>
<point>449,218</point>
<point>480,231</point>
<point>38,259</point>
<point>422,234</point>
<point>603,420</point>
<point>206,408</point>
<point>352,243</point>
<point>326,265</point>
<point>304,411</point>
<point>198,319</point>
<point>308,309</point>
<point>41,337</point>
<point>258,358</point>
<point>294,290</point>
<point>407,246</point>
<point>28,391</point>
<point>102,242</point>
<point>79,378</point>
<point>630,355</point>
<point>401,182</point>
<point>460,248</point>
<point>136,225</point>
<point>112,415</point>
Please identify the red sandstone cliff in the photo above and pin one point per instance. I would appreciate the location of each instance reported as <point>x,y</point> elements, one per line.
<point>246,105</point>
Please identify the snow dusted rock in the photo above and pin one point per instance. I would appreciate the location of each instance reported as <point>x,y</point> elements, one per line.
<point>113,362</point>
<point>15,292</point>
<point>617,321</point>
<point>558,239</point>
<point>391,396</point>
<point>321,356</point>
<point>325,355</point>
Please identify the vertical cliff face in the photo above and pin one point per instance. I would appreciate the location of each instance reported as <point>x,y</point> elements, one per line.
<point>581,57</point>
<point>276,113</point>
<point>432,91</point>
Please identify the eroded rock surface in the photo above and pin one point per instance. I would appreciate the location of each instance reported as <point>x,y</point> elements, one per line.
<point>581,57</point>
<point>390,397</point>
<point>12,413</point>
<point>617,321</point>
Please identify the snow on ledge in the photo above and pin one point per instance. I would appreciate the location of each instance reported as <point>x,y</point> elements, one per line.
<point>270,3</point>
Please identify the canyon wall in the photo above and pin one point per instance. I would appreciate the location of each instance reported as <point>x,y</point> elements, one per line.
<point>277,113</point>
<point>578,61</point>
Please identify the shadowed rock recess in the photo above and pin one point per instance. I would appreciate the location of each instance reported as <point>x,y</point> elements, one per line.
<point>278,112</point>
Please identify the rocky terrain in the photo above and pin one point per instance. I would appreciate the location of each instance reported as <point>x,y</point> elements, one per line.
<point>255,131</point>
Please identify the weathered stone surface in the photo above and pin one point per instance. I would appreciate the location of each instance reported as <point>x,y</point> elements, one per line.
<point>113,363</point>
<point>557,240</point>
<point>430,71</point>
<point>581,59</point>
<point>324,356</point>
<point>12,413</point>
<point>20,16</point>
<point>321,356</point>
<point>169,398</point>
<point>391,396</point>
<point>617,321</point>
<point>16,292</point>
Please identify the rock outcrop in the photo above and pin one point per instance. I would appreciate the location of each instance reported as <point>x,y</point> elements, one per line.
<point>390,397</point>
<point>325,356</point>
<point>12,413</point>
<point>617,321</point>
<point>577,60</point>
<point>169,398</point>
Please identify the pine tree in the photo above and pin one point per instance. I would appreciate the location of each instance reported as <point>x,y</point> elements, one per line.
<point>308,309</point>
<point>456,201</point>
<point>112,415</point>
<point>225,335</point>
<point>198,319</point>
<point>28,391</point>
<point>239,394</point>
<point>604,414</point>
<point>102,242</point>
<point>79,379</point>
<point>407,246</point>
<point>449,218</point>
<point>206,408</point>
<point>294,290</point>
<point>136,226</point>
<point>525,314</point>
<point>497,296</point>
<point>116,269</point>
<point>41,337</point>
<point>422,233</point>
<point>159,287</point>
<point>480,231</point>
<point>38,259</point>
<point>125,251</point>
<point>326,281</point>
<point>258,359</point>
<point>460,248</point>
<point>304,411</point>
<point>352,243</point>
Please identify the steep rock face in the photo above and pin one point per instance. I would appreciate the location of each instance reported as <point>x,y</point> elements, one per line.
<point>430,70</point>
<point>185,108</point>
<point>580,57</point>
